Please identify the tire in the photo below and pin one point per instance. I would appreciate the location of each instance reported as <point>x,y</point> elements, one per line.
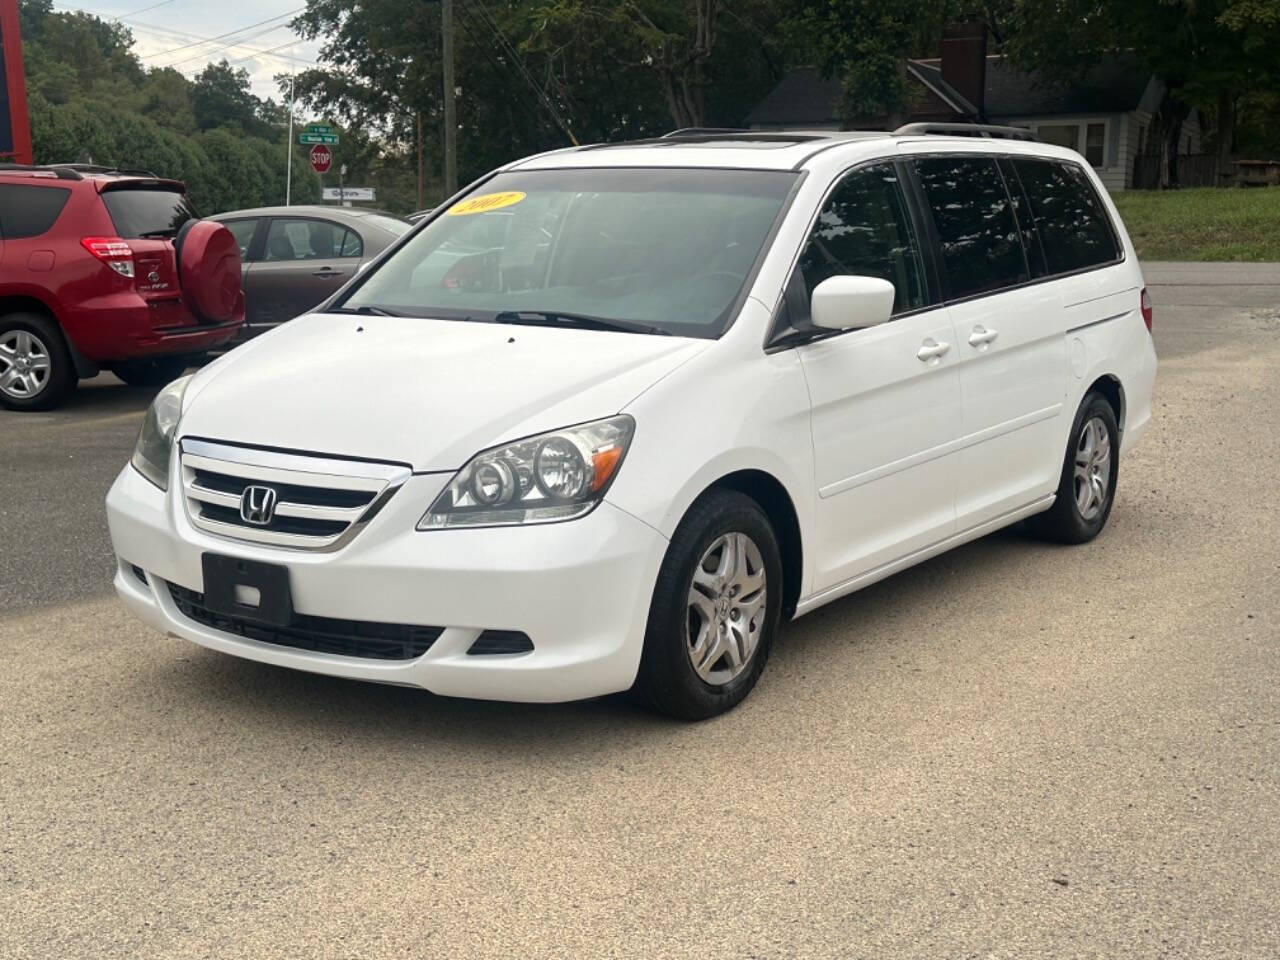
<point>151,373</point>
<point>36,370</point>
<point>721,520</point>
<point>1076,516</point>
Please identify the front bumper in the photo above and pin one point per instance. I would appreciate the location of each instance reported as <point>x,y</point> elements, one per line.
<point>580,590</point>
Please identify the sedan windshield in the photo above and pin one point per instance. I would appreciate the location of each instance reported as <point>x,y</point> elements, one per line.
<point>654,250</point>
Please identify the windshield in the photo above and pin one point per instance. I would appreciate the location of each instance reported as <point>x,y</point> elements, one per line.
<point>137,212</point>
<point>656,248</point>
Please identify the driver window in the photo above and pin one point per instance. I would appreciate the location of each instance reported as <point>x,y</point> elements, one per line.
<point>864,230</point>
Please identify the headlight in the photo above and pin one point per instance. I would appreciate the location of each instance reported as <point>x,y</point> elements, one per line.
<point>553,476</point>
<point>155,439</point>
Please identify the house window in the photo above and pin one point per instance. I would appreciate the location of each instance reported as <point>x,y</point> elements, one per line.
<point>1060,135</point>
<point>1095,136</point>
<point>1088,139</point>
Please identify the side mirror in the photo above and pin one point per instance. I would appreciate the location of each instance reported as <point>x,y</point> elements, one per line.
<point>849,303</point>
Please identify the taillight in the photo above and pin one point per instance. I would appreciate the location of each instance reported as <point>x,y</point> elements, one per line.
<point>112,251</point>
<point>1146,309</point>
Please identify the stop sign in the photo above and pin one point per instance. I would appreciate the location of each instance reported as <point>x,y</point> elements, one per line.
<point>321,158</point>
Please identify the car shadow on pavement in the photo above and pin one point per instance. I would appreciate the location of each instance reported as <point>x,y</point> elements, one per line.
<point>298,705</point>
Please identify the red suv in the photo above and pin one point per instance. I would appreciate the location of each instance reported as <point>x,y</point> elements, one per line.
<point>104,268</point>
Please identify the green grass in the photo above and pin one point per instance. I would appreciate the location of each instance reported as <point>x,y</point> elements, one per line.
<point>1203,224</point>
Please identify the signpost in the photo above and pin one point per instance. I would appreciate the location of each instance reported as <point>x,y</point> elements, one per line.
<point>321,158</point>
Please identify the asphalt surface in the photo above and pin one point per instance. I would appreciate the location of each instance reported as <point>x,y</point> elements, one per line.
<point>1014,750</point>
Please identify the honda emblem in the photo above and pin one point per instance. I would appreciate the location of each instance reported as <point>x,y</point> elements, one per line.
<point>258,505</point>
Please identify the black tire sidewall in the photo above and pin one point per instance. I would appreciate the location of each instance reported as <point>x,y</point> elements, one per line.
<point>667,676</point>
<point>62,375</point>
<point>1075,528</point>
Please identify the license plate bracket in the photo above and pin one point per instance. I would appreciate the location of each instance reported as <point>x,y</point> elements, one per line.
<point>247,589</point>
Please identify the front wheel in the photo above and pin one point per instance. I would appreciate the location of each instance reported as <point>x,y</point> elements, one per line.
<point>715,610</point>
<point>1087,486</point>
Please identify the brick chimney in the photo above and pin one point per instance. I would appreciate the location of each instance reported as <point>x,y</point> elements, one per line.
<point>964,61</point>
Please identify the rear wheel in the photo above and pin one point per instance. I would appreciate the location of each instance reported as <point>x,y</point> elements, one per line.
<point>36,372</point>
<point>1087,486</point>
<point>715,609</point>
<point>151,373</point>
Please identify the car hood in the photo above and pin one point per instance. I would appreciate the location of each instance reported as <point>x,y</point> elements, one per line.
<point>430,393</point>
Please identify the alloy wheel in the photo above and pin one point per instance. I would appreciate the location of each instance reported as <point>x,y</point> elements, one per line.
<point>24,364</point>
<point>726,608</point>
<point>1092,468</point>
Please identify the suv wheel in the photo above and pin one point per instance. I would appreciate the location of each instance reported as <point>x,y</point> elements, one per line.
<point>36,371</point>
<point>715,609</point>
<point>1087,487</point>
<point>151,373</point>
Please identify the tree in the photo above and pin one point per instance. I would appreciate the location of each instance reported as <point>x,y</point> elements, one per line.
<point>1207,52</point>
<point>91,100</point>
<point>222,97</point>
<point>865,43</point>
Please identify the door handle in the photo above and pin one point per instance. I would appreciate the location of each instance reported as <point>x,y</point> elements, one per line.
<point>326,272</point>
<point>931,349</point>
<point>981,336</point>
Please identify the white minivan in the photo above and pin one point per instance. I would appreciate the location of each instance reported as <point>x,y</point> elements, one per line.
<point>614,413</point>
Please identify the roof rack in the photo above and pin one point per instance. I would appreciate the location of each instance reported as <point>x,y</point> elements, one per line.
<point>703,131</point>
<point>61,172</point>
<point>966,130</point>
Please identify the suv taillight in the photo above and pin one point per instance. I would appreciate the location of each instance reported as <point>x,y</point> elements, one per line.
<point>112,251</point>
<point>1146,309</point>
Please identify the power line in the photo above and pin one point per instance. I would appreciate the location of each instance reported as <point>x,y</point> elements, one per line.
<point>159,31</point>
<point>223,36</point>
<point>510,51</point>
<point>134,13</point>
<point>227,46</point>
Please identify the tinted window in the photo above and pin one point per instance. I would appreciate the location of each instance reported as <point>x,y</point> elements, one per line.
<point>29,211</point>
<point>981,248</point>
<point>289,239</point>
<point>243,231</point>
<point>864,230</point>
<point>147,212</point>
<point>1071,225</point>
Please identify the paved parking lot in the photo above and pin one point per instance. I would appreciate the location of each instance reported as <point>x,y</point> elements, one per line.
<point>1013,750</point>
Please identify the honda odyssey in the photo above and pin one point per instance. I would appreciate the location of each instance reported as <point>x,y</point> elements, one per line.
<point>615,413</point>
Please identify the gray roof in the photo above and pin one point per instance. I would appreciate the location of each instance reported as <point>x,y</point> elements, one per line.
<point>1115,85</point>
<point>803,97</point>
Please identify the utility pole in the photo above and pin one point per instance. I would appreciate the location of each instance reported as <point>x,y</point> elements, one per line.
<point>418,115</point>
<point>288,164</point>
<point>450,120</point>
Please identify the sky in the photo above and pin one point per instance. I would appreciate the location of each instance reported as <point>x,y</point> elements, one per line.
<point>187,34</point>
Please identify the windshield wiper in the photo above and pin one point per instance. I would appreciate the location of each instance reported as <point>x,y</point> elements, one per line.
<point>558,318</point>
<point>157,234</point>
<point>367,311</point>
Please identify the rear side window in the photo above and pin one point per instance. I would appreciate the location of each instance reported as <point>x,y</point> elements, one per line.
<point>243,231</point>
<point>289,239</point>
<point>143,213</point>
<point>29,211</point>
<point>1070,223</point>
<point>981,249</point>
<point>864,230</point>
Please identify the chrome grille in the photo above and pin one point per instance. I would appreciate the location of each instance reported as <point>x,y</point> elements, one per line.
<point>320,502</point>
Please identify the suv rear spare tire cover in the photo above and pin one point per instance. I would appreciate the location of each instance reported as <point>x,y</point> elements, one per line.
<point>209,271</point>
